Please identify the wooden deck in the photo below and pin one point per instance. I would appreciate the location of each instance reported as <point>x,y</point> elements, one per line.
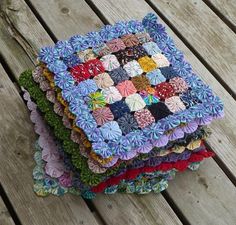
<point>203,30</point>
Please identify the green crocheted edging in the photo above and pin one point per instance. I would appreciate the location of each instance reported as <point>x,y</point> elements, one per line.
<point>60,131</point>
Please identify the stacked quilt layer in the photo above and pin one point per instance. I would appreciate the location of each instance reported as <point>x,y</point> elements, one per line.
<point>117,110</point>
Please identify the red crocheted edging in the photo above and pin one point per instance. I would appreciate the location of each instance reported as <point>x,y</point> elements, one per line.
<point>132,174</point>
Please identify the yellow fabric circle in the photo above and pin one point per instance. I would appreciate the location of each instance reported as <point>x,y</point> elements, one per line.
<point>147,64</point>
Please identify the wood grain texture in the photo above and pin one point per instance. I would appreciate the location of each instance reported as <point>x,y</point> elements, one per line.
<point>222,140</point>
<point>225,7</point>
<point>151,202</point>
<point>72,17</point>
<point>135,209</point>
<point>21,36</point>
<point>214,41</point>
<point>17,146</point>
<point>17,151</point>
<point>205,196</point>
<point>5,217</point>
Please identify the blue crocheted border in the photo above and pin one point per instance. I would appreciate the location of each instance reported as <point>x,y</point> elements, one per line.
<point>211,105</point>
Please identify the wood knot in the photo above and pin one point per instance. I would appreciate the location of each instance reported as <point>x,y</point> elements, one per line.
<point>65,10</point>
<point>202,181</point>
<point>109,206</point>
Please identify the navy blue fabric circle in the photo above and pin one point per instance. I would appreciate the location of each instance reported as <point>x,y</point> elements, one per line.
<point>127,123</point>
<point>119,108</point>
<point>189,99</point>
<point>159,110</point>
<point>168,72</point>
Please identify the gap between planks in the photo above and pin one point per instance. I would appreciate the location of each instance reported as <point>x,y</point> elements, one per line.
<point>191,47</point>
<point>9,74</point>
<point>89,203</point>
<point>206,32</point>
<point>7,202</point>
<point>15,83</point>
<point>218,159</point>
<point>41,20</point>
<point>28,207</point>
<point>7,213</point>
<point>118,15</point>
<point>166,195</point>
<point>170,211</point>
<point>223,17</point>
<point>171,218</point>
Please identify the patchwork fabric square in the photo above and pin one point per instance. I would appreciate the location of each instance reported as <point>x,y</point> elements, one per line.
<point>123,105</point>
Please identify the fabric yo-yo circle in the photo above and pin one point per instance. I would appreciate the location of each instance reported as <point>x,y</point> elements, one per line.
<point>140,82</point>
<point>102,115</point>
<point>116,45</point>
<point>126,88</point>
<point>110,62</point>
<point>127,123</point>
<point>111,95</point>
<point>80,73</point>
<point>135,102</point>
<point>174,104</point>
<point>164,90</point>
<point>111,130</point>
<point>179,84</point>
<point>147,64</point>
<point>130,40</point>
<point>144,118</point>
<point>103,80</point>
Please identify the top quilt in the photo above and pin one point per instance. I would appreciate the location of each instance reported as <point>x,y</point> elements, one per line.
<point>128,86</point>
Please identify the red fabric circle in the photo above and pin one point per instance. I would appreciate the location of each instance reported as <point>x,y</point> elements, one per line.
<point>164,90</point>
<point>80,73</point>
<point>94,67</point>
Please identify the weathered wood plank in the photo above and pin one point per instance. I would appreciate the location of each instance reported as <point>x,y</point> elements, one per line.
<point>135,209</point>
<point>154,199</point>
<point>205,197</point>
<point>16,152</point>
<point>64,12</point>
<point>214,41</point>
<point>114,11</point>
<point>227,8</point>
<point>21,35</point>
<point>5,217</point>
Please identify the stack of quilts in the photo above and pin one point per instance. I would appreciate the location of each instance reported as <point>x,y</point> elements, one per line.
<point>118,110</point>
